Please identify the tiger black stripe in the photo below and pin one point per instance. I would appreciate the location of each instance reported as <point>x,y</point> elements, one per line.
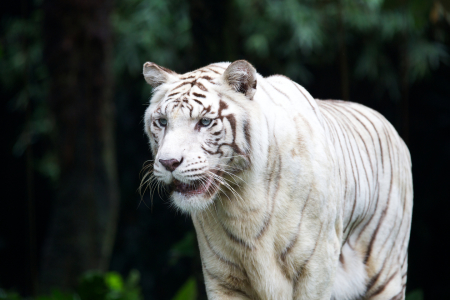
<point>215,253</point>
<point>227,287</point>
<point>291,244</point>
<point>236,239</point>
<point>358,222</point>
<point>273,199</point>
<point>305,263</point>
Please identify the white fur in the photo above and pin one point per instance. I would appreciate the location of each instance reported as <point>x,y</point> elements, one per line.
<point>351,276</point>
<point>305,182</point>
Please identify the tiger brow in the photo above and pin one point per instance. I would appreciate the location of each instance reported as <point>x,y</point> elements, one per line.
<point>199,95</point>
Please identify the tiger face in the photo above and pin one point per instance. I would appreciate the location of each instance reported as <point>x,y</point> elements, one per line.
<point>198,130</point>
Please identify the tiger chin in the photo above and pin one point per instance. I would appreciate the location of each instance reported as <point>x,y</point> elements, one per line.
<point>291,197</point>
<point>195,195</point>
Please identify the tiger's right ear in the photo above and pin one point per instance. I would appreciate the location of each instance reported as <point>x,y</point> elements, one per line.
<point>156,75</point>
<point>241,77</point>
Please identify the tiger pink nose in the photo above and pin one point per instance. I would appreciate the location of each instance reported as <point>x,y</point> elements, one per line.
<point>170,164</point>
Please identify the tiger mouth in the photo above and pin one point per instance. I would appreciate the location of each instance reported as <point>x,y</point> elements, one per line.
<point>207,185</point>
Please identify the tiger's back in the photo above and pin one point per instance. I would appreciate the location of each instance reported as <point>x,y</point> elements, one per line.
<point>375,169</point>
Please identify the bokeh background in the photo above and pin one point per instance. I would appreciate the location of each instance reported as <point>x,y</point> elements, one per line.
<point>72,223</point>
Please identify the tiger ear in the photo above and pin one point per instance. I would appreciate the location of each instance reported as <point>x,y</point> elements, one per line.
<point>241,76</point>
<point>156,75</point>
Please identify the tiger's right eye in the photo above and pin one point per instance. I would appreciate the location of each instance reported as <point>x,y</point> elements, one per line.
<point>162,122</point>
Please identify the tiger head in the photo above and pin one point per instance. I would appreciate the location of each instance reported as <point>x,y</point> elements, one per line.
<point>199,130</point>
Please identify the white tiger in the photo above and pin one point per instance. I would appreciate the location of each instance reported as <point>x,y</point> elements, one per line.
<point>291,197</point>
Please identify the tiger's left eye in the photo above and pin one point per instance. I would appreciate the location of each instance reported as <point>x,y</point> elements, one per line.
<point>162,122</point>
<point>205,121</point>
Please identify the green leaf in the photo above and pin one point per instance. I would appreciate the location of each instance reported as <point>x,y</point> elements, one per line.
<point>92,286</point>
<point>59,295</point>
<point>424,56</point>
<point>415,295</point>
<point>188,291</point>
<point>4,295</point>
<point>258,44</point>
<point>133,279</point>
<point>185,247</point>
<point>114,281</point>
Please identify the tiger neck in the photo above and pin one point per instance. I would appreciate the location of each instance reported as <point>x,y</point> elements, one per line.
<point>243,209</point>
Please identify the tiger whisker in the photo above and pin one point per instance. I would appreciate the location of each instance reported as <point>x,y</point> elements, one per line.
<point>234,176</point>
<point>227,185</point>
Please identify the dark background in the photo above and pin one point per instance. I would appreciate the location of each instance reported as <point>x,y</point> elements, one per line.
<point>73,99</point>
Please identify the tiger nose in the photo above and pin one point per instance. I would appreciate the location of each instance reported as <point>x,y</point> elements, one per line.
<point>170,164</point>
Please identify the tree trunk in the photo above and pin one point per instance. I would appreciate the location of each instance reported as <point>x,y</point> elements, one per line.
<point>78,56</point>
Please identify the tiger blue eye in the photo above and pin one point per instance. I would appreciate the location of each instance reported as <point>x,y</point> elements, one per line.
<point>205,121</point>
<point>162,122</point>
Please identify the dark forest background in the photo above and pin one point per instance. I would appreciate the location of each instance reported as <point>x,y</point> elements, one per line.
<point>72,224</point>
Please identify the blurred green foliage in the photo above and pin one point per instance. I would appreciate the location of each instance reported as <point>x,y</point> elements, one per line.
<point>93,286</point>
<point>24,79</point>
<point>285,36</point>
<point>386,42</point>
<point>111,286</point>
<point>183,248</point>
<point>415,295</point>
<point>314,31</point>
<point>149,30</point>
<point>188,291</point>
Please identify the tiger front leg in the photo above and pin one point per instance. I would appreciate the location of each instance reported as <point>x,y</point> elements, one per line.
<point>219,289</point>
<point>266,277</point>
<point>311,263</point>
<point>314,280</point>
<point>269,277</point>
<point>263,281</point>
<point>303,274</point>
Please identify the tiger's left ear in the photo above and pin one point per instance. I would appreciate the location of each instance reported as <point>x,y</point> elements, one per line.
<point>241,76</point>
<point>156,75</point>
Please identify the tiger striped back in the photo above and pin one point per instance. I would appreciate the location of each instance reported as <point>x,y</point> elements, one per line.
<point>375,165</point>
